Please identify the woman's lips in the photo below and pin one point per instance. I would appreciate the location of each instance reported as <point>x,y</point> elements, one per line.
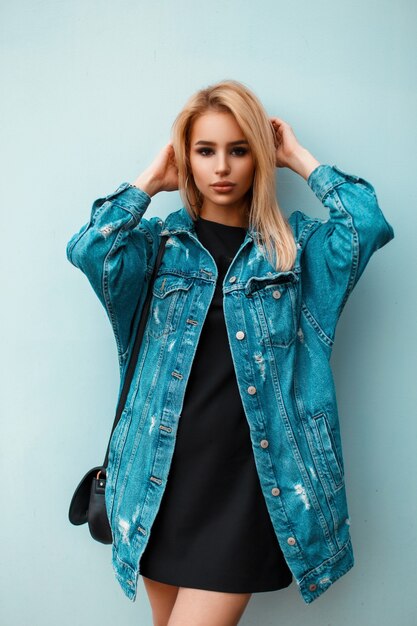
<point>223,187</point>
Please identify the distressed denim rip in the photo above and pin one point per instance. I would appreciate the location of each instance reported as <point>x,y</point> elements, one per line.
<point>281,330</point>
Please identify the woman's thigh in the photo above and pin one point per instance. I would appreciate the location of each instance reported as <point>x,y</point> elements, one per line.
<point>198,607</point>
<point>162,599</point>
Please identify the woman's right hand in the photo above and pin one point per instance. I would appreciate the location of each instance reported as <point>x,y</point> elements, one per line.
<point>162,173</point>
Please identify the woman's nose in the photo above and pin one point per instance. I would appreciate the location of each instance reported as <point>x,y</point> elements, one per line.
<point>222,164</point>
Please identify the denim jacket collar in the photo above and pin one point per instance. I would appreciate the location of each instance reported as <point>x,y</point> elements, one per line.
<point>180,221</point>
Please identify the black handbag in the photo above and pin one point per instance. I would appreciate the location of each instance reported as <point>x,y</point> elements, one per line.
<point>88,502</point>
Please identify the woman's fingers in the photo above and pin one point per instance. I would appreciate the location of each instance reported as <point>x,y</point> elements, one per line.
<point>170,169</point>
<point>278,122</point>
<point>286,142</point>
<point>169,149</point>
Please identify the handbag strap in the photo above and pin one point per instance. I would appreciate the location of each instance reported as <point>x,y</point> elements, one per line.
<point>136,346</point>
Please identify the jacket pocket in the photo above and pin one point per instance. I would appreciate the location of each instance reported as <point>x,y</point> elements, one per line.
<point>169,293</point>
<point>329,465</point>
<point>277,312</point>
<point>117,442</point>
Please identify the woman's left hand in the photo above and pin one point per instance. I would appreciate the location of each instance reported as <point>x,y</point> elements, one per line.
<point>289,152</point>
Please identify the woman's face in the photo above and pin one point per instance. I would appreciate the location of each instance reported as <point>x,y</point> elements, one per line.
<point>219,153</point>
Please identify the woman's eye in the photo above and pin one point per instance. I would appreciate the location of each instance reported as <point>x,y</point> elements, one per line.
<point>235,151</point>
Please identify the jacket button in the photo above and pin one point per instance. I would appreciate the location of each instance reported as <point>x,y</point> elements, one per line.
<point>275,491</point>
<point>276,294</point>
<point>240,334</point>
<point>264,443</point>
<point>232,279</point>
<point>251,390</point>
<point>291,541</point>
<point>312,587</point>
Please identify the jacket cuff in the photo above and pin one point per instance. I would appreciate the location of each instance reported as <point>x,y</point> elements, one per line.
<point>325,177</point>
<point>130,197</point>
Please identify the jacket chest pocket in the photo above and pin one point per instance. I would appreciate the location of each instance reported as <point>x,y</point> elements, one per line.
<point>169,294</point>
<point>276,304</point>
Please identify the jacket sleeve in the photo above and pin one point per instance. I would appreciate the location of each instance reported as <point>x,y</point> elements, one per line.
<point>339,249</point>
<point>115,250</point>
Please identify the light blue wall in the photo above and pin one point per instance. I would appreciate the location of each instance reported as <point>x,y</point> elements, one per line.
<point>90,90</point>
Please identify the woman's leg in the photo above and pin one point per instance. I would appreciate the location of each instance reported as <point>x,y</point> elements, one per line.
<point>198,607</point>
<point>162,599</point>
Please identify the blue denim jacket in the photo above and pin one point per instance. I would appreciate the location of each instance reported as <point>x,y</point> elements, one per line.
<point>281,330</point>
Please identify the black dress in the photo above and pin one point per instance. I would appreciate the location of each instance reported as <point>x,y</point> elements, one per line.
<point>213,530</point>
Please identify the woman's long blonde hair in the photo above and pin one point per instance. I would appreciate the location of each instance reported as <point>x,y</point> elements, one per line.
<point>265,216</point>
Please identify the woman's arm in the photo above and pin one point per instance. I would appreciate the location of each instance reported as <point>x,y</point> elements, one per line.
<point>117,248</point>
<point>338,249</point>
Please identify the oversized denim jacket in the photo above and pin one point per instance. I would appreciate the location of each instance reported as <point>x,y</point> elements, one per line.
<point>281,330</point>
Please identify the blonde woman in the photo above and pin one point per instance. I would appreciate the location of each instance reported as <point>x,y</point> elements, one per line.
<point>226,473</point>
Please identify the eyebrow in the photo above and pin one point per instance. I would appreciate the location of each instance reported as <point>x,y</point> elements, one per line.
<point>212,143</point>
